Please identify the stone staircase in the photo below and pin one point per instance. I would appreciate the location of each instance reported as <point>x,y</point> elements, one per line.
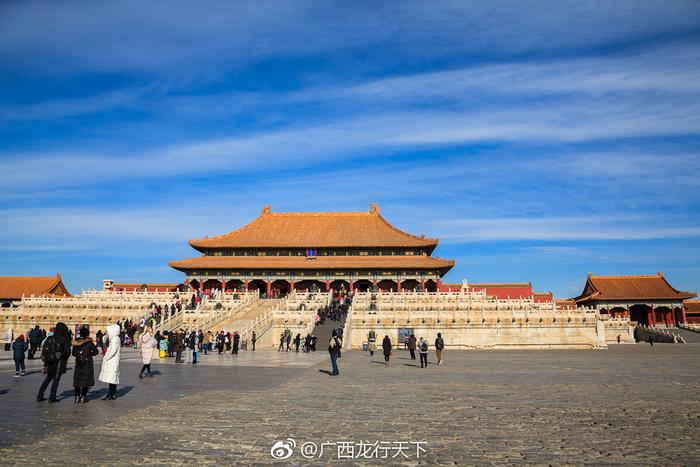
<point>323,332</point>
<point>245,316</point>
<point>690,337</point>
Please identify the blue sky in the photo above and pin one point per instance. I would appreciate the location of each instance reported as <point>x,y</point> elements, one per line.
<point>538,141</point>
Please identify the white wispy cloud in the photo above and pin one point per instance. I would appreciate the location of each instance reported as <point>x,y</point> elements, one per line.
<point>582,228</point>
<point>165,35</point>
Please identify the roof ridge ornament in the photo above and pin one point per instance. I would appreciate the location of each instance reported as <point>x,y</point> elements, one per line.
<point>266,209</point>
<point>373,208</point>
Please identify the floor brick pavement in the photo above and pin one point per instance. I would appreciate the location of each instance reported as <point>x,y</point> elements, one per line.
<point>629,405</point>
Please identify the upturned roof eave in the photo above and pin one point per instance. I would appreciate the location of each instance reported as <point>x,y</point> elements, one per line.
<point>211,244</point>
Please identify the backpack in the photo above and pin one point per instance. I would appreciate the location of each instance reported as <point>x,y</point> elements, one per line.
<point>83,356</point>
<point>51,352</point>
<point>424,347</point>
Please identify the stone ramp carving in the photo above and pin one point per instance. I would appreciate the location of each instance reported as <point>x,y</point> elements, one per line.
<point>246,316</point>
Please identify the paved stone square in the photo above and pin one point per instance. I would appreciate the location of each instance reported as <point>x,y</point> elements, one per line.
<point>631,404</point>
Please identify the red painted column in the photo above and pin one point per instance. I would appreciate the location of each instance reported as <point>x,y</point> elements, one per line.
<point>653,317</point>
<point>223,285</point>
<point>246,285</point>
<point>352,286</point>
<point>439,285</point>
<point>269,288</point>
<point>422,283</point>
<point>328,285</point>
<point>398,285</point>
<point>683,312</point>
<point>291,285</point>
<point>674,318</point>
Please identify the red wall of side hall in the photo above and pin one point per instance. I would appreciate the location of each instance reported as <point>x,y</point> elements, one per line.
<point>149,289</point>
<point>508,292</point>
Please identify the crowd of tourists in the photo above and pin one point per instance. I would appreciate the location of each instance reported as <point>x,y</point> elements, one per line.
<point>306,344</point>
<point>157,312</point>
<point>411,344</point>
<point>58,345</point>
<point>337,310</point>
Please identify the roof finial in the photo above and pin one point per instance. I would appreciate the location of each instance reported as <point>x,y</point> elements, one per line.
<point>266,209</point>
<point>373,208</point>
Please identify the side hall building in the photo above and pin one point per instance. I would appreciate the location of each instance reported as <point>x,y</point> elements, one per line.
<point>13,288</point>
<point>648,300</point>
<point>280,252</point>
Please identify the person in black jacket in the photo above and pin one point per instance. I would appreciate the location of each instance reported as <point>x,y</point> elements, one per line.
<point>55,367</point>
<point>84,374</point>
<point>179,345</point>
<point>386,347</point>
<point>171,343</point>
<point>236,342</point>
<point>439,347</point>
<point>334,345</point>
<point>35,337</point>
<point>18,349</point>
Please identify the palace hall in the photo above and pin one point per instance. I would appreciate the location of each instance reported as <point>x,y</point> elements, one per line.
<point>305,251</point>
<point>645,299</point>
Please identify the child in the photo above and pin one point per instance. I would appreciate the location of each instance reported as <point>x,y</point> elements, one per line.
<point>18,349</point>
<point>163,347</point>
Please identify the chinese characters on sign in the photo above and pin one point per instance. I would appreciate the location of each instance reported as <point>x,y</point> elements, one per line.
<point>350,450</point>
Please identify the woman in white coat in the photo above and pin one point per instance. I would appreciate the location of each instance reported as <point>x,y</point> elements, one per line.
<point>109,372</point>
<point>146,345</point>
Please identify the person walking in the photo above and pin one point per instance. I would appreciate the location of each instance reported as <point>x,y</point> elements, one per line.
<point>18,349</point>
<point>386,347</point>
<point>146,345</point>
<point>288,339</point>
<point>281,347</point>
<point>372,342</point>
<point>236,342</point>
<point>8,337</point>
<point>172,340</point>
<point>179,345</point>
<point>54,352</point>
<point>334,345</point>
<point>163,347</point>
<point>423,350</point>
<point>220,342</point>
<point>253,338</point>
<point>191,341</point>
<point>109,373</point>
<point>411,344</point>
<point>207,342</point>
<point>35,337</point>
<point>84,373</point>
<point>439,347</point>
<point>297,342</point>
